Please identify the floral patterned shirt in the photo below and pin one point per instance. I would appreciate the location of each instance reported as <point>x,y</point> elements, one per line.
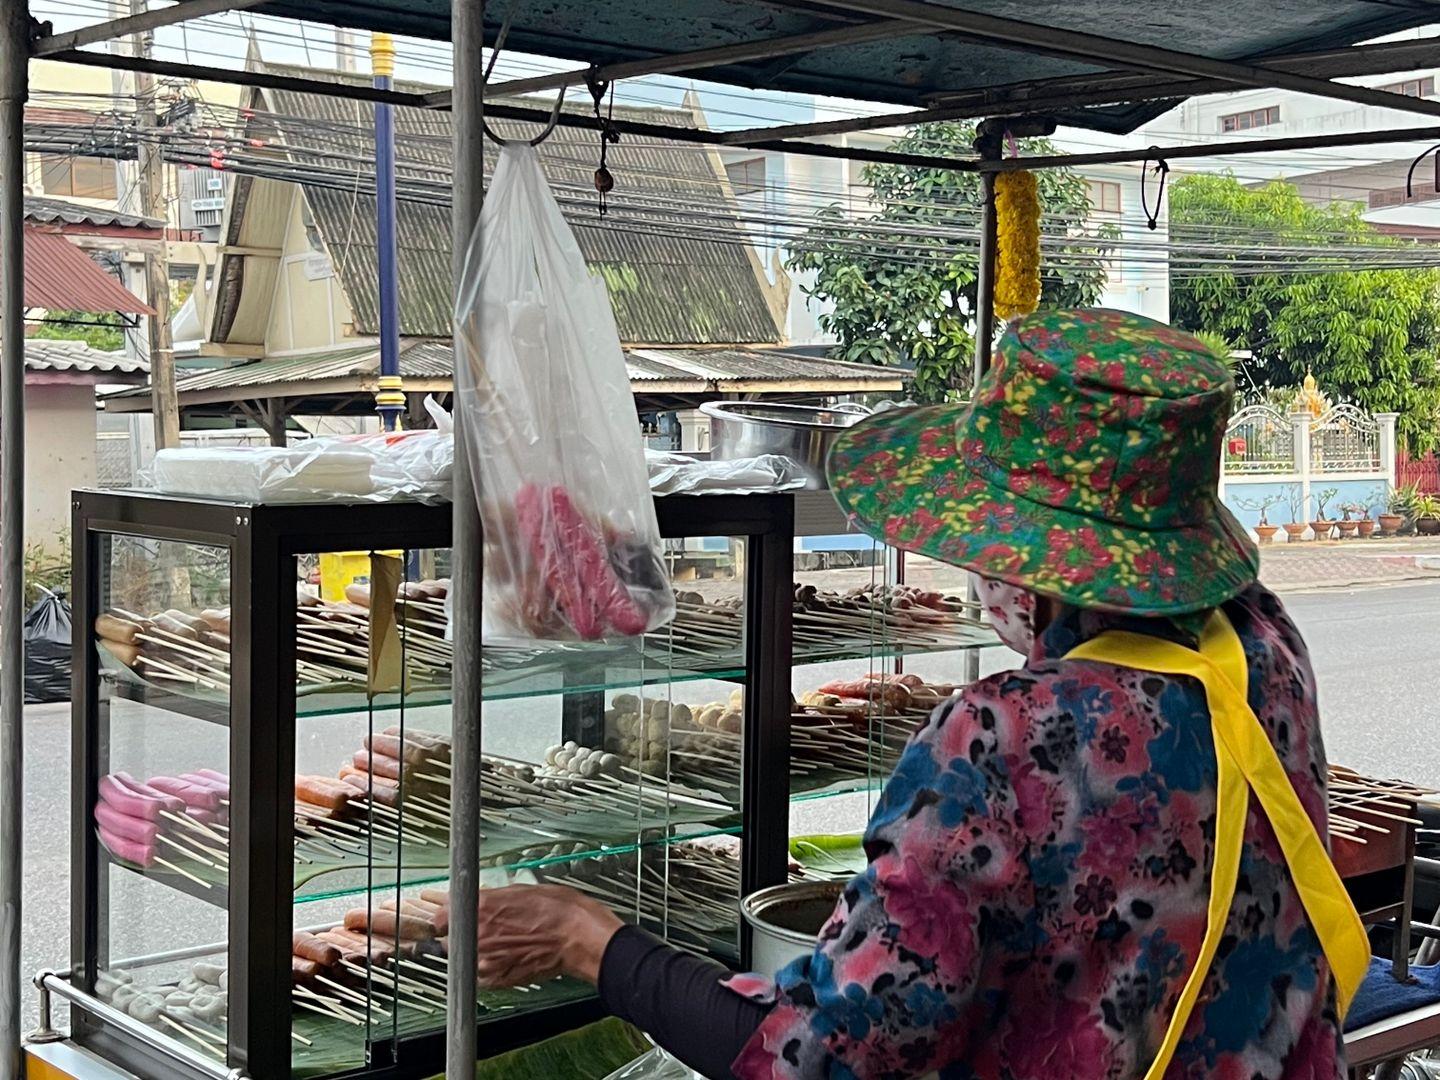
<point>1037,887</point>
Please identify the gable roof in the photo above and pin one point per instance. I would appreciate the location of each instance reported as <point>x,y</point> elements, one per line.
<point>665,289</point>
<point>61,277</point>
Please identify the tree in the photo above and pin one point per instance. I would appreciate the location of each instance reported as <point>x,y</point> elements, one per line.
<point>1370,336</point>
<point>899,284</point>
<point>98,331</point>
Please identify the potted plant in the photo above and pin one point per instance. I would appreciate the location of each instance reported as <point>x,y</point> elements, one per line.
<point>1322,525</point>
<point>1263,529</point>
<point>1365,528</point>
<point>1397,509</point>
<point>1348,524</point>
<point>1295,527</point>
<point>1427,515</point>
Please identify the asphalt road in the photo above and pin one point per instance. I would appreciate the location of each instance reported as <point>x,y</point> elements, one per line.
<point>1376,652</point>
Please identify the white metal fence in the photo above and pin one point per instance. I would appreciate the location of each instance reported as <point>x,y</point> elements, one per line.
<point>1344,440</point>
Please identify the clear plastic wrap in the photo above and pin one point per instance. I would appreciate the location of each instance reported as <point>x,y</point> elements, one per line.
<point>572,546</point>
<point>655,1065</point>
<point>380,467</point>
<point>315,470</point>
<point>676,474</point>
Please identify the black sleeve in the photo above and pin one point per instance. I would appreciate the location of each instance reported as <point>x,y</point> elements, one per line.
<point>676,998</point>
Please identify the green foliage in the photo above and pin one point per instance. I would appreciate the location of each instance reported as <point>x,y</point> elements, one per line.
<point>1322,498</point>
<point>103,331</point>
<point>1219,345</point>
<point>1426,507</point>
<point>1370,336</point>
<point>47,567</point>
<point>1403,499</point>
<point>902,282</point>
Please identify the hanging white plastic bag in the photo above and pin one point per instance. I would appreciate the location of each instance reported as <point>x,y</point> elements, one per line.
<point>572,546</point>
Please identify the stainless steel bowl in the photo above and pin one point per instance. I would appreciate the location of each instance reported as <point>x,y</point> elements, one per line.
<point>786,919</point>
<point>799,432</point>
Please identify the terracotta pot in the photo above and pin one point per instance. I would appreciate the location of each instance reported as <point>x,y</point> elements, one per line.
<point>1366,528</point>
<point>1295,530</point>
<point>1390,523</point>
<point>1266,533</point>
<point>1322,529</point>
<point>1427,526</point>
<point>1347,529</point>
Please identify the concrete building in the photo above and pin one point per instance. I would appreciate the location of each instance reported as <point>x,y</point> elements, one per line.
<point>61,450</point>
<point>1372,176</point>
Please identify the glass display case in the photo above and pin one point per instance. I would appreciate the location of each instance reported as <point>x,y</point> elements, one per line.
<point>262,776</point>
<point>880,638</point>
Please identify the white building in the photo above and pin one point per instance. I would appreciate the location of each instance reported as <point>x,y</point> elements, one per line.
<point>1373,176</point>
<point>784,187</point>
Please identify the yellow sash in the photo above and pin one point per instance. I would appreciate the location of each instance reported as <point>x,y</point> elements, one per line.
<point>1246,761</point>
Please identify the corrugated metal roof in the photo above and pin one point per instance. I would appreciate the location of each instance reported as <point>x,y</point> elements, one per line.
<point>696,369</point>
<point>52,354</point>
<point>664,289</point>
<point>911,70</point>
<point>44,210</point>
<point>61,277</point>
<point>746,365</point>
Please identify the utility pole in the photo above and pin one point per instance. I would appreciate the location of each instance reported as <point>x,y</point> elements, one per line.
<point>165,403</point>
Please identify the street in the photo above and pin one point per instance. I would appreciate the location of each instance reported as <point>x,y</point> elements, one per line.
<point>1376,651</point>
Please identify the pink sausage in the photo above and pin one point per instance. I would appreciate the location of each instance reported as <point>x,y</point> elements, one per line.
<point>124,826</point>
<point>218,777</point>
<point>131,803</point>
<point>194,795</point>
<point>205,817</point>
<point>173,803</point>
<point>129,850</point>
<point>201,780</point>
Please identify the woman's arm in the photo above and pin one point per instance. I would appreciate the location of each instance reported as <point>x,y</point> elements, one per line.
<point>535,932</point>
<point>678,1000</point>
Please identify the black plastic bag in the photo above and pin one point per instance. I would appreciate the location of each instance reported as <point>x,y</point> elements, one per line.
<point>47,650</point>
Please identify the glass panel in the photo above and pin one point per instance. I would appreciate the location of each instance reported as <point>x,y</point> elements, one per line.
<point>162,815</point>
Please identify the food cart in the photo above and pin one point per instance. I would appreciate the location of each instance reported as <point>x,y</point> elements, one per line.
<point>251,686</point>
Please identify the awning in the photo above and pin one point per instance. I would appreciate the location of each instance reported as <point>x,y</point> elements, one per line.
<point>61,277</point>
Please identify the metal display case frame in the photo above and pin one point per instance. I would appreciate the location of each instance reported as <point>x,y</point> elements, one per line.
<point>263,541</point>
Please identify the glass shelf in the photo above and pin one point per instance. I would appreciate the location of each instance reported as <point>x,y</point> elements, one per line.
<point>505,847</point>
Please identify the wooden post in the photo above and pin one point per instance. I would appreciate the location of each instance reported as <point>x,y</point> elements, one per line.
<point>151,182</point>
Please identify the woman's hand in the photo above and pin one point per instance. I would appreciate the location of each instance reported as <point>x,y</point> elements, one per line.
<point>532,933</point>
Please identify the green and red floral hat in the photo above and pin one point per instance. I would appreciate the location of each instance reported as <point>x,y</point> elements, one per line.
<point>1085,469</point>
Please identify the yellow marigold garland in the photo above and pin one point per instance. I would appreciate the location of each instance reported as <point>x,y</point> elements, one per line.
<point>1017,248</point>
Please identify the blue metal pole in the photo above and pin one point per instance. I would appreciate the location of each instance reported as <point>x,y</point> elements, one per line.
<point>389,394</point>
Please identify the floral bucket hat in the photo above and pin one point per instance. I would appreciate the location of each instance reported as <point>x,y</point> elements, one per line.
<point>1085,469</point>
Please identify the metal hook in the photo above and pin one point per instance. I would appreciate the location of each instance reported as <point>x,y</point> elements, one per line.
<point>1410,176</point>
<point>545,133</point>
<point>1162,167</point>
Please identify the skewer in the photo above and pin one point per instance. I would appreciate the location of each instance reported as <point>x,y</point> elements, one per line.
<point>186,851</point>
<point>196,826</point>
<point>183,873</point>
<point>330,1013</point>
<point>183,1030</point>
<point>350,995</point>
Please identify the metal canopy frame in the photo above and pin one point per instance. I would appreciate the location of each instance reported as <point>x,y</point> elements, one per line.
<point>1131,72</point>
